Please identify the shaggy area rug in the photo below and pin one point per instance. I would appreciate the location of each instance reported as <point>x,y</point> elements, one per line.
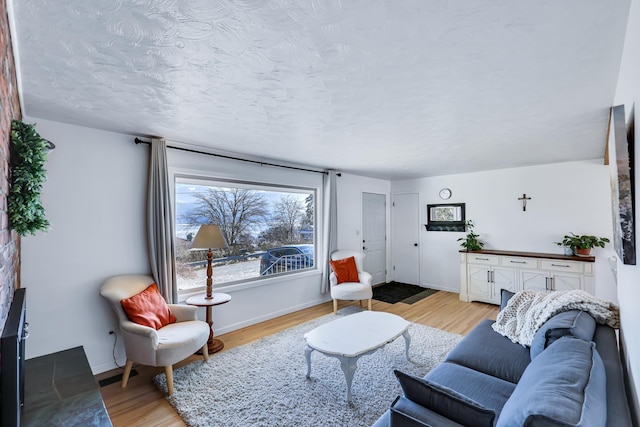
<point>263,383</point>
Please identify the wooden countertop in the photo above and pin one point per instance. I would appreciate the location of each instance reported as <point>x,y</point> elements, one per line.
<point>532,255</point>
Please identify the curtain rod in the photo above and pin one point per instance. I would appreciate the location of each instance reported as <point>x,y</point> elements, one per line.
<point>139,141</point>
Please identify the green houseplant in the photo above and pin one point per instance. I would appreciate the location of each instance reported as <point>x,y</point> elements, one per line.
<point>471,242</point>
<point>28,153</point>
<point>582,244</point>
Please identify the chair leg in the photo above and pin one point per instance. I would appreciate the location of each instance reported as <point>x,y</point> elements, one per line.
<point>369,301</point>
<point>168,370</point>
<point>125,374</point>
<point>205,352</point>
<point>335,306</point>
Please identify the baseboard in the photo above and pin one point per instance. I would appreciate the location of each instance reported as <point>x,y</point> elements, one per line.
<point>269,316</point>
<point>455,290</point>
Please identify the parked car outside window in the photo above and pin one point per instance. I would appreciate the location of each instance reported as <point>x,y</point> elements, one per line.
<point>286,258</point>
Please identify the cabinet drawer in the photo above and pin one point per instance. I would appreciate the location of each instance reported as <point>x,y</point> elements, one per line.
<point>482,259</point>
<point>519,262</point>
<point>561,265</point>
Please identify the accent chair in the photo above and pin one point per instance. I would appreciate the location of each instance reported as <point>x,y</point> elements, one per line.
<point>351,291</point>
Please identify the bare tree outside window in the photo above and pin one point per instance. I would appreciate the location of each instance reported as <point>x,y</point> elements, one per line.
<point>235,210</point>
<point>270,230</point>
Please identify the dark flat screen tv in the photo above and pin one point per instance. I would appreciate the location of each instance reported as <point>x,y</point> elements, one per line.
<point>12,362</point>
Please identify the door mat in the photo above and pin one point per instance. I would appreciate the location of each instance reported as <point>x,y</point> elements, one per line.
<point>394,292</point>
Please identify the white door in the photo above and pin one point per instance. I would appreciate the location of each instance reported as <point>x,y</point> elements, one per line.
<point>374,236</point>
<point>406,235</point>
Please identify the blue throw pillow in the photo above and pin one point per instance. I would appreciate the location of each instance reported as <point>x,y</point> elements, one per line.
<point>564,386</point>
<point>575,323</point>
<point>445,401</point>
<point>505,296</point>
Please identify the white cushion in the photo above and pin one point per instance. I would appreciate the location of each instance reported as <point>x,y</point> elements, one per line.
<point>351,291</point>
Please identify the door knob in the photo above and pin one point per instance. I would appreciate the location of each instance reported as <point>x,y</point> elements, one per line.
<point>415,244</point>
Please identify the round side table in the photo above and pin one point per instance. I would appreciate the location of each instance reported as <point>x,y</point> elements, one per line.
<point>201,300</point>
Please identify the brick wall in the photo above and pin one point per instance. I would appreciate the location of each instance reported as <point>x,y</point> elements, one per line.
<point>9,109</point>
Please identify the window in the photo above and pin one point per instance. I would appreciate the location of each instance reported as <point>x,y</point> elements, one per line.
<point>270,230</point>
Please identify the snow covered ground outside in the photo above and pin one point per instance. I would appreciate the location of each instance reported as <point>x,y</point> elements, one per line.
<point>222,273</point>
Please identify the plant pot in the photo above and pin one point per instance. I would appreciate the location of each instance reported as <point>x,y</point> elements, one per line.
<point>583,251</point>
<point>568,251</point>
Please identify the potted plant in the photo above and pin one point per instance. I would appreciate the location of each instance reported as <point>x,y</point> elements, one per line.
<point>582,244</point>
<point>471,242</point>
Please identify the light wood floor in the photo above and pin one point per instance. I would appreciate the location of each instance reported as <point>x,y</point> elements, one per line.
<point>142,404</point>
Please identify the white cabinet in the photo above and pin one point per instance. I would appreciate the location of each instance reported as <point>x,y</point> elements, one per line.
<point>485,282</point>
<point>484,273</point>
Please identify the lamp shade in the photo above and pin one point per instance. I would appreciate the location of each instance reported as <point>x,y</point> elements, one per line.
<point>209,236</point>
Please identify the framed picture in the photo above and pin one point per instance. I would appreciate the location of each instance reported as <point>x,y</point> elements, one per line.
<point>445,217</point>
<point>620,153</point>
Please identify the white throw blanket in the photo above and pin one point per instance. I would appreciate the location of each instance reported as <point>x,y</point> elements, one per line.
<point>527,311</point>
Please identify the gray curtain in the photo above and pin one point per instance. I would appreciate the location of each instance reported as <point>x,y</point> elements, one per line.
<point>160,234</point>
<point>330,220</point>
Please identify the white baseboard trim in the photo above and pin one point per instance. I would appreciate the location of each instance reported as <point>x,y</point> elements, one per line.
<point>455,290</point>
<point>107,366</point>
<point>268,316</point>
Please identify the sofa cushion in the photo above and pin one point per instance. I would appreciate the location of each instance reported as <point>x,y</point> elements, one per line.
<point>407,413</point>
<point>564,386</point>
<point>499,357</point>
<point>445,401</point>
<point>575,323</point>
<point>488,391</point>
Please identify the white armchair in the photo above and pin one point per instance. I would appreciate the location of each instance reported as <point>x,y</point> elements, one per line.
<point>147,346</point>
<point>352,291</point>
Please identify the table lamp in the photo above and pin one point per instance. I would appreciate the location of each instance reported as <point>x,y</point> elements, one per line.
<point>209,237</point>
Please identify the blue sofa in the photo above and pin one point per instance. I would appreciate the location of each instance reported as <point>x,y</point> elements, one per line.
<point>570,376</point>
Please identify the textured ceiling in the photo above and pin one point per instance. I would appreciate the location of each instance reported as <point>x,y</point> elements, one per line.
<point>390,89</point>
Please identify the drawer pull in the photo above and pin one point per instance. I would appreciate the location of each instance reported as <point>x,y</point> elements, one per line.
<point>560,265</point>
<point>482,259</point>
<point>518,262</point>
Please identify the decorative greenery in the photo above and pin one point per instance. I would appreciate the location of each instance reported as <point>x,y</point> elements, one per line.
<point>471,242</point>
<point>28,153</point>
<point>574,241</point>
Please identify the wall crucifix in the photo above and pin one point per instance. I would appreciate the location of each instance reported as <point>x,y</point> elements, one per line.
<point>524,199</point>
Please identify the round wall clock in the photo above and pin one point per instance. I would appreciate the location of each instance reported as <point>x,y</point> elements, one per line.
<point>445,193</point>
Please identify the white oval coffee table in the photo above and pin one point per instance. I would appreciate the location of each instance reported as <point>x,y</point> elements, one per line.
<point>350,337</point>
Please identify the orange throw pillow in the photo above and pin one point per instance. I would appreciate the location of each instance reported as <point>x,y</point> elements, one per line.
<point>345,270</point>
<point>148,308</point>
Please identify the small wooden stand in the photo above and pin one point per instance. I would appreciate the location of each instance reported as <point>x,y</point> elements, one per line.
<point>201,300</point>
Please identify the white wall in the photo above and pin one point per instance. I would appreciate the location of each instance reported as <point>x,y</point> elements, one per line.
<point>349,201</point>
<point>95,199</point>
<point>565,197</point>
<point>628,93</point>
